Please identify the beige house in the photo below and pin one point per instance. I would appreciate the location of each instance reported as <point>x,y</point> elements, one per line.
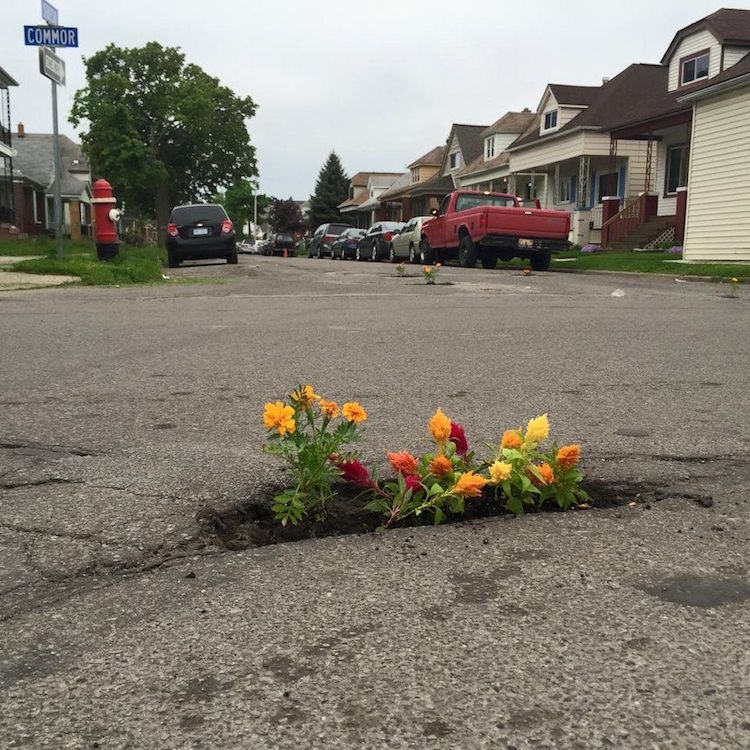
<point>361,206</point>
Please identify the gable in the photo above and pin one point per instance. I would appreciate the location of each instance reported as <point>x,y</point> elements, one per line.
<point>691,44</point>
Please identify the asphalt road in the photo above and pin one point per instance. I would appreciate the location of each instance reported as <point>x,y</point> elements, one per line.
<point>127,414</point>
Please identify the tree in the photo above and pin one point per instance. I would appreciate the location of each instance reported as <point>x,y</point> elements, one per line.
<point>239,200</point>
<point>160,130</point>
<point>285,216</point>
<point>331,189</point>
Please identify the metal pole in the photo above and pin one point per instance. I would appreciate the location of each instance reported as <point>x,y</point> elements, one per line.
<point>255,209</point>
<point>58,170</point>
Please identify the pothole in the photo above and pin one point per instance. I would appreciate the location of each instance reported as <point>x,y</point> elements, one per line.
<point>251,523</point>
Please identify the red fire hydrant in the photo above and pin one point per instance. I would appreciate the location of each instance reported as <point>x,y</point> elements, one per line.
<point>106,216</point>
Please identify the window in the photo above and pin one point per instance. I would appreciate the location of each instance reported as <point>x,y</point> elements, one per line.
<point>415,174</point>
<point>676,168</point>
<point>489,147</point>
<point>565,193</point>
<point>550,120</point>
<point>465,201</point>
<point>454,160</point>
<point>694,68</point>
<point>444,205</point>
<point>603,188</point>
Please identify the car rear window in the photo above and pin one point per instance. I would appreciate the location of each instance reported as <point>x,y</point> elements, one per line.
<point>337,228</point>
<point>474,201</point>
<point>192,214</point>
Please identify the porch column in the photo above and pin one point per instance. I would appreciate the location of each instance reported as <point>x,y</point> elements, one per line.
<point>679,229</point>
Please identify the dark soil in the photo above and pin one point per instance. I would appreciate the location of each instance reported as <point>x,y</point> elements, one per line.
<point>251,522</point>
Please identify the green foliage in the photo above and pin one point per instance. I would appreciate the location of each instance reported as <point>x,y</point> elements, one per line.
<point>331,189</point>
<point>239,201</point>
<point>160,130</point>
<point>285,215</point>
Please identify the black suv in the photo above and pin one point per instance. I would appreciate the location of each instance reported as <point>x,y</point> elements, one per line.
<point>201,230</point>
<point>323,239</point>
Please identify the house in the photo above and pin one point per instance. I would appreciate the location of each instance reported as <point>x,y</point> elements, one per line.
<point>419,189</point>
<point>490,170</point>
<point>361,208</point>
<point>7,212</point>
<point>33,184</point>
<point>464,145</point>
<point>717,219</point>
<point>662,116</point>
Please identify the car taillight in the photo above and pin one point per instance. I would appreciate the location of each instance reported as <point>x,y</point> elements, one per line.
<point>387,236</point>
<point>226,227</point>
<point>172,230</point>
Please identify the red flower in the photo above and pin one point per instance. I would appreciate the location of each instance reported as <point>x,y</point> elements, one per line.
<point>413,483</point>
<point>458,438</point>
<point>355,473</point>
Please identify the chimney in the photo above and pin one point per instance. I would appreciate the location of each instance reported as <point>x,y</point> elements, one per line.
<point>21,131</point>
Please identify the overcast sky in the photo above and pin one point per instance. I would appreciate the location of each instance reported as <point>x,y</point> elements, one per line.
<point>380,81</point>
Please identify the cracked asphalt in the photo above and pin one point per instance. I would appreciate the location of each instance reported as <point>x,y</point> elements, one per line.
<point>129,416</point>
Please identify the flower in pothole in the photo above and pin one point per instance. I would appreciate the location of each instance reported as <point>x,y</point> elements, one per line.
<point>354,412</point>
<point>279,416</point>
<point>469,485</point>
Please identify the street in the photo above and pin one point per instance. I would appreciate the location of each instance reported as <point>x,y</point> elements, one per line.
<point>132,420</point>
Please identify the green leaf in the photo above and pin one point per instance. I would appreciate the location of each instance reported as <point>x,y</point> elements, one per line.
<point>439,516</point>
<point>514,505</point>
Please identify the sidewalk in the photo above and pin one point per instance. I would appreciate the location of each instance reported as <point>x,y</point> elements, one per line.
<point>11,280</point>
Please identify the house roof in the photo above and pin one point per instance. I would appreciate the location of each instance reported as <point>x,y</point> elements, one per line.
<point>436,185</point>
<point>737,71</point>
<point>360,179</point>
<point>6,79</point>
<point>570,95</point>
<point>728,25</point>
<point>510,122</point>
<point>357,200</point>
<point>34,160</point>
<point>398,188</point>
<point>480,165</point>
<point>383,179</point>
<point>433,158</point>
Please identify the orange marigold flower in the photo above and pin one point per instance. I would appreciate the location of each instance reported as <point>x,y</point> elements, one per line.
<point>304,396</point>
<point>568,456</point>
<point>547,473</point>
<point>511,439</point>
<point>279,416</point>
<point>469,485</point>
<point>329,408</point>
<point>440,427</point>
<point>403,462</point>
<point>354,412</point>
<point>441,466</point>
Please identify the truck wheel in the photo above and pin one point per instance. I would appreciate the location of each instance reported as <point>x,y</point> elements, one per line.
<point>489,261</point>
<point>172,260</point>
<point>540,261</point>
<point>426,253</point>
<point>467,252</point>
<point>507,255</point>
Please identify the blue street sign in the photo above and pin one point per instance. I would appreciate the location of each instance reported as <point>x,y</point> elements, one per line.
<point>50,36</point>
<point>49,13</point>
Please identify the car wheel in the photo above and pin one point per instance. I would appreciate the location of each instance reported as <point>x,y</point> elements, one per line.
<point>173,260</point>
<point>426,253</point>
<point>374,252</point>
<point>343,253</point>
<point>358,254</point>
<point>232,258</point>
<point>412,253</point>
<point>391,253</point>
<point>467,252</point>
<point>540,261</point>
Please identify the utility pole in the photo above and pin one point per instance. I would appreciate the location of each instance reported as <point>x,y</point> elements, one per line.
<point>58,172</point>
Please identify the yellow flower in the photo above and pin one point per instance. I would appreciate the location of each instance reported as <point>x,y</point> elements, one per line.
<point>440,427</point>
<point>537,430</point>
<point>500,471</point>
<point>469,485</point>
<point>426,269</point>
<point>735,280</point>
<point>329,408</point>
<point>280,417</point>
<point>354,412</point>
<point>304,396</point>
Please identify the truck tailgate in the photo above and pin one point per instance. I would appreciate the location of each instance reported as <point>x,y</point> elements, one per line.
<point>528,223</point>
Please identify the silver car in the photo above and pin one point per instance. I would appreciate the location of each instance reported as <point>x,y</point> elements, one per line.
<point>405,244</point>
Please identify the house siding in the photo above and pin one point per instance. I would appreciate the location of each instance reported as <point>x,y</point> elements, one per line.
<point>695,43</point>
<point>732,55</point>
<point>718,222</point>
<point>548,152</point>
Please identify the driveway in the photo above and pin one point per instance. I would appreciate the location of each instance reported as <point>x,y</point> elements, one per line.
<point>131,425</point>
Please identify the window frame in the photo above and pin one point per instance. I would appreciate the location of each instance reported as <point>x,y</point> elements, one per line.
<point>695,56</point>
<point>453,156</point>
<point>683,169</point>
<point>547,114</point>
<point>565,185</point>
<point>605,194</point>
<point>489,147</point>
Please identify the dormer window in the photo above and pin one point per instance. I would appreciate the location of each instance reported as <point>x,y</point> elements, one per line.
<point>454,160</point>
<point>550,120</point>
<point>415,174</point>
<point>489,147</point>
<point>694,68</point>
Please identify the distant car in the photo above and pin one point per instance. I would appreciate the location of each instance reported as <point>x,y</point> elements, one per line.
<point>376,241</point>
<point>246,246</point>
<point>281,242</point>
<point>200,230</point>
<point>345,245</point>
<point>324,237</point>
<point>405,244</point>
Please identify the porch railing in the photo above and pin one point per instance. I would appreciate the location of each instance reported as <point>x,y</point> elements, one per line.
<point>627,220</point>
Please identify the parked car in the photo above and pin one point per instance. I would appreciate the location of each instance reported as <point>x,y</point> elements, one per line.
<point>281,242</point>
<point>345,245</point>
<point>375,243</point>
<point>246,246</point>
<point>405,244</point>
<point>473,226</point>
<point>324,237</point>
<point>200,230</point>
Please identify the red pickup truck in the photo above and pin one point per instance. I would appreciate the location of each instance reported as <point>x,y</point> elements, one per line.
<point>472,226</point>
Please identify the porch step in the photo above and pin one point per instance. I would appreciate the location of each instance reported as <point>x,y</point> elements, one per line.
<point>644,234</point>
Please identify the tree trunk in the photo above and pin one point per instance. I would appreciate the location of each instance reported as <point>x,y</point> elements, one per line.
<point>163,207</point>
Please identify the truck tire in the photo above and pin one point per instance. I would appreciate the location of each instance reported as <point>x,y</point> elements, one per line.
<point>426,253</point>
<point>507,255</point>
<point>467,252</point>
<point>173,261</point>
<point>489,261</point>
<point>540,261</point>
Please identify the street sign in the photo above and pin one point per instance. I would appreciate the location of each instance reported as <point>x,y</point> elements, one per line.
<point>49,13</point>
<point>50,36</point>
<point>51,65</point>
